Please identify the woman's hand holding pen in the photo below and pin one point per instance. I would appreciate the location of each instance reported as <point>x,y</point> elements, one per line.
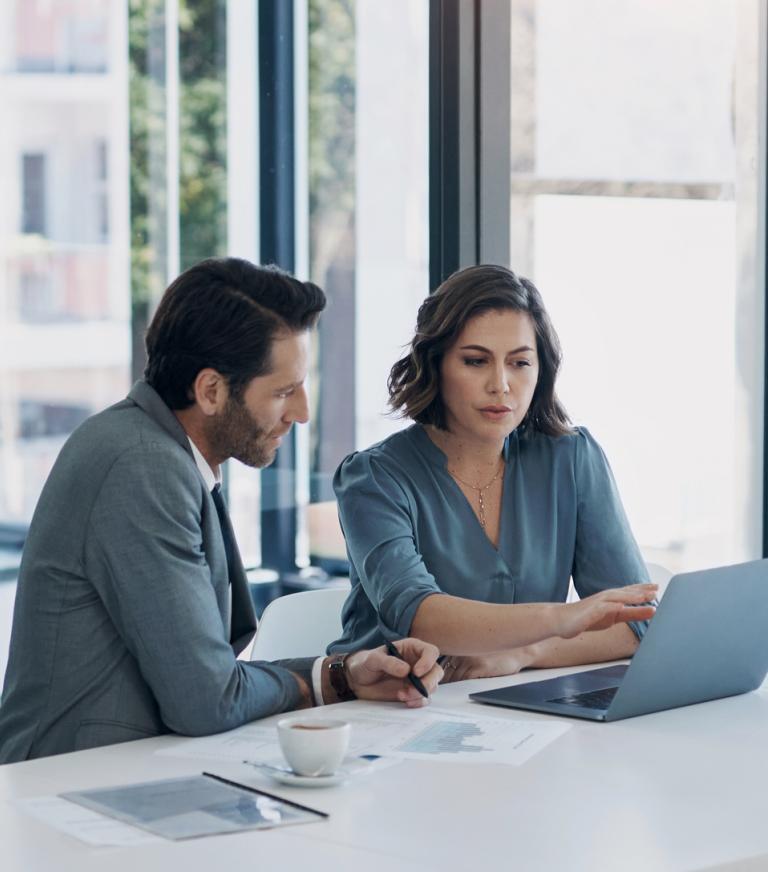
<point>377,675</point>
<point>602,610</point>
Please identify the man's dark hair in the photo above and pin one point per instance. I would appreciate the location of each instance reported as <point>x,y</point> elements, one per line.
<point>224,313</point>
<point>414,381</point>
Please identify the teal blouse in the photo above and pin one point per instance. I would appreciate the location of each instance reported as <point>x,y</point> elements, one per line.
<point>410,531</point>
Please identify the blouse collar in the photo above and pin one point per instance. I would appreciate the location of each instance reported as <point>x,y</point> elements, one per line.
<point>435,456</point>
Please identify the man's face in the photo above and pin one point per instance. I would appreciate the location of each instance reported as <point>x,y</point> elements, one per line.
<point>251,427</point>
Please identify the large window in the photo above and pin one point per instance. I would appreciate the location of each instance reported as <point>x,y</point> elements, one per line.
<point>64,277</point>
<point>357,139</point>
<point>134,145</point>
<point>367,134</point>
<point>635,209</point>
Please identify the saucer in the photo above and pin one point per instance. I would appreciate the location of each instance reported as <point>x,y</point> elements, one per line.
<point>291,779</point>
<point>351,767</point>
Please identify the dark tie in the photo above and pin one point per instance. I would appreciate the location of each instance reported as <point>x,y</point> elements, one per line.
<point>226,530</point>
<point>243,618</point>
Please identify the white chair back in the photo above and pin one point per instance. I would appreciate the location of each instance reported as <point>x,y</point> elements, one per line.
<point>659,575</point>
<point>299,624</point>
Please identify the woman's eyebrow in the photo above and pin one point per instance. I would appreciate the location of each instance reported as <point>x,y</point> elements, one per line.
<point>488,351</point>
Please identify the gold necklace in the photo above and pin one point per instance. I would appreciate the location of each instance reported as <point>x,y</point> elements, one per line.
<point>480,490</point>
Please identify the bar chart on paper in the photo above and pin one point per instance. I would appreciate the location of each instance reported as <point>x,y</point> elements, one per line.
<point>392,733</point>
<point>447,737</point>
<point>444,737</point>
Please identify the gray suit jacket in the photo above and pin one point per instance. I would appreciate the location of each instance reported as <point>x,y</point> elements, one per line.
<point>121,628</point>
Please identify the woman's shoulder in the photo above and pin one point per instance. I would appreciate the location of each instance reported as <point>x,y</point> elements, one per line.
<point>577,449</point>
<point>392,448</point>
<point>578,438</point>
<point>390,456</point>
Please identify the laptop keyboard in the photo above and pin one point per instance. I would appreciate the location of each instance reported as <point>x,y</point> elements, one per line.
<point>594,699</point>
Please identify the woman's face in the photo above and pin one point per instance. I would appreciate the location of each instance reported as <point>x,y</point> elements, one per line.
<point>489,375</point>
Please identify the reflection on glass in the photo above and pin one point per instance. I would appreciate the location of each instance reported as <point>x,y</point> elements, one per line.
<point>634,209</point>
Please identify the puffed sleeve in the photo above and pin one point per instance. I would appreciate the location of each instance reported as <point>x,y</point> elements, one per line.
<point>606,554</point>
<point>378,520</point>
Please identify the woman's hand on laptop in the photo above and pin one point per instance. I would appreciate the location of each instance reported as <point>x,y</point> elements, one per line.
<point>602,610</point>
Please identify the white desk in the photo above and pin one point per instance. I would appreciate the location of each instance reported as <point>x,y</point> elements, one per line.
<point>679,790</point>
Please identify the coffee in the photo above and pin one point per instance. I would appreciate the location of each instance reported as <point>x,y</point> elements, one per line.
<point>310,727</point>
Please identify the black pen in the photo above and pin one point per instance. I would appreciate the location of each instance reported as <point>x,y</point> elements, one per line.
<point>415,681</point>
<point>256,790</point>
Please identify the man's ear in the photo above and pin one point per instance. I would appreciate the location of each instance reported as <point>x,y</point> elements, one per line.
<point>210,391</point>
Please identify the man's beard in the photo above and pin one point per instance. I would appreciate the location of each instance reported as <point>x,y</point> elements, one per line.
<point>236,433</point>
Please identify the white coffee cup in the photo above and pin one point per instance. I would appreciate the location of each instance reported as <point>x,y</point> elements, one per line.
<point>313,746</point>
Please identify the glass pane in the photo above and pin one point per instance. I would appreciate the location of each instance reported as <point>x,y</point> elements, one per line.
<point>179,163</point>
<point>178,145</point>
<point>368,230</point>
<point>635,211</point>
<point>64,278</point>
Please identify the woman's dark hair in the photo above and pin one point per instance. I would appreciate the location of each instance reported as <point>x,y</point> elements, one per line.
<point>414,381</point>
<point>224,313</point>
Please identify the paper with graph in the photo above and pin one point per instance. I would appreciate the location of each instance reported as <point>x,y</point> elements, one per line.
<point>390,731</point>
<point>447,737</point>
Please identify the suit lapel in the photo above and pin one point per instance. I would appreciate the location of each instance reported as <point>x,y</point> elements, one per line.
<point>243,620</point>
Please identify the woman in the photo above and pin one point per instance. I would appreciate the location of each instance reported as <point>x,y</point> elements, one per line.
<point>465,528</point>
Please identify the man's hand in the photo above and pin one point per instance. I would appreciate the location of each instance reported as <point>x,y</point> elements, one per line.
<point>376,675</point>
<point>602,610</point>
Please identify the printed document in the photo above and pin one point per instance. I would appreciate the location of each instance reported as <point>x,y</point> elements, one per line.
<point>390,731</point>
<point>199,805</point>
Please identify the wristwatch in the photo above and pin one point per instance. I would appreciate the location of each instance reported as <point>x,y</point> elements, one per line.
<point>338,676</point>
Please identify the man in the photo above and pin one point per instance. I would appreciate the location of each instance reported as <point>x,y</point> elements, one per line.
<point>132,603</point>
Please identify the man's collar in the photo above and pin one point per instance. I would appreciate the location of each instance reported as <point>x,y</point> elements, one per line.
<point>147,398</point>
<point>210,477</point>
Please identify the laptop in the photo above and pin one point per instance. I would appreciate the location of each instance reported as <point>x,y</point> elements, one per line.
<point>708,639</point>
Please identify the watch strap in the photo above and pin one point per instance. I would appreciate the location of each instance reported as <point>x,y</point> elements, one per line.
<point>338,676</point>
